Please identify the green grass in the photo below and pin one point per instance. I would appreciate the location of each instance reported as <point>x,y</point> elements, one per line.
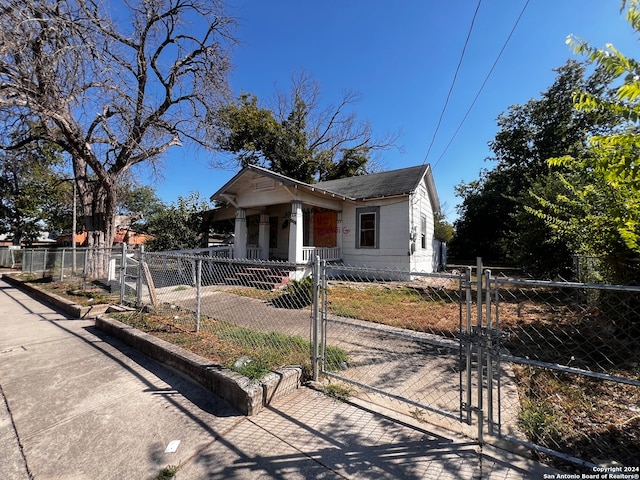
<point>168,472</point>
<point>338,391</point>
<point>539,421</point>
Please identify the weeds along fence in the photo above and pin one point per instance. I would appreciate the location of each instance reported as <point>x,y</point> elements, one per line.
<point>573,352</point>
<point>551,366</point>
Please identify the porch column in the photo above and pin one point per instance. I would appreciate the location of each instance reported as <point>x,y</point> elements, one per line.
<point>240,233</point>
<point>263,236</point>
<point>295,232</point>
<point>339,232</point>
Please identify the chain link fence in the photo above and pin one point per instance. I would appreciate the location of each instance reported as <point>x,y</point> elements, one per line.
<point>573,350</point>
<point>254,312</point>
<point>62,263</point>
<point>400,333</point>
<point>10,257</point>
<point>552,366</point>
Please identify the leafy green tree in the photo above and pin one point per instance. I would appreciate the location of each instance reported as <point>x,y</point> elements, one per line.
<point>33,196</point>
<point>140,202</point>
<point>443,230</point>
<point>300,138</point>
<point>493,220</point>
<point>178,226</point>
<point>598,209</point>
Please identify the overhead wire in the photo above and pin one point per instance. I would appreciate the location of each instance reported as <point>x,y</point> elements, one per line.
<point>484,83</point>
<point>453,82</point>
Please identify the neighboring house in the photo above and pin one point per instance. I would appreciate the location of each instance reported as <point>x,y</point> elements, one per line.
<point>130,237</point>
<point>44,240</point>
<point>123,233</point>
<point>383,220</point>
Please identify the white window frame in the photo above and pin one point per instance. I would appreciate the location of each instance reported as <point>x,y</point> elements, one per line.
<point>360,213</point>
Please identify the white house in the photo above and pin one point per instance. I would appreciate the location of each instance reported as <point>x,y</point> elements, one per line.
<point>383,220</point>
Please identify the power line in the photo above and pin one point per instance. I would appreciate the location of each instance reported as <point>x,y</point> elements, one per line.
<point>486,79</point>
<point>455,76</point>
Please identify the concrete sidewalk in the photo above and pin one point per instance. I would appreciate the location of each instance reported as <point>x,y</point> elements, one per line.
<point>76,404</point>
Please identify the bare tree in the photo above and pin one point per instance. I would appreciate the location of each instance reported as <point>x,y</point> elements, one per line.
<point>301,136</point>
<point>334,129</point>
<point>114,85</point>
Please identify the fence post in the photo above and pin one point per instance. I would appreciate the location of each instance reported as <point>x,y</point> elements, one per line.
<point>62,266</point>
<point>322,316</point>
<point>316,318</point>
<point>198,295</point>
<point>469,346</point>
<point>30,256</point>
<point>86,258</point>
<point>139,277</point>
<point>123,272</point>
<point>44,262</point>
<point>489,353</point>
<point>480,350</point>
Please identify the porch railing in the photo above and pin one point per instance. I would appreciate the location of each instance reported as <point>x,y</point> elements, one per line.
<point>309,254</point>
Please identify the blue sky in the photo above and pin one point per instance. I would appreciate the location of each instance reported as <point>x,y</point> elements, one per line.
<point>401,57</point>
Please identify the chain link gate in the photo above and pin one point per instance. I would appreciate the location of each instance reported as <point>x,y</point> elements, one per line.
<point>524,357</point>
<point>561,370</point>
<point>399,337</point>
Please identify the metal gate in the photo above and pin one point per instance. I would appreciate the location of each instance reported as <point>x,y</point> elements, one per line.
<point>371,336</point>
<point>534,363</point>
<point>570,349</point>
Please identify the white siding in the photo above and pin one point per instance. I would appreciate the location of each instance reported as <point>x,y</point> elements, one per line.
<point>398,216</point>
<point>253,198</point>
<point>393,248</point>
<point>422,259</point>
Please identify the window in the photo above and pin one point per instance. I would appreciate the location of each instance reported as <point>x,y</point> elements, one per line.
<point>423,230</point>
<point>368,227</point>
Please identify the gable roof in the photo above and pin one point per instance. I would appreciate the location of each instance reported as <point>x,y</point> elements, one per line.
<point>249,173</point>
<point>403,181</point>
<point>377,185</point>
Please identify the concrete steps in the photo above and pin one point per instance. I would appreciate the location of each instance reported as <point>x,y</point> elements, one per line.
<point>266,278</point>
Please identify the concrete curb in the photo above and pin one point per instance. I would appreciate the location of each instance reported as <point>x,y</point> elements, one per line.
<point>245,395</point>
<point>61,303</point>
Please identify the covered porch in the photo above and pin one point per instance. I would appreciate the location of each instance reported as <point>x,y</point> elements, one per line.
<point>294,232</point>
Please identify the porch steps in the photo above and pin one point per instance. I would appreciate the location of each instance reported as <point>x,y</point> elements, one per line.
<point>259,277</point>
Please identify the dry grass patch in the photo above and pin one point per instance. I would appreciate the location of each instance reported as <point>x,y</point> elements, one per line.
<point>251,352</point>
<point>423,310</point>
<point>584,417</point>
<point>77,290</point>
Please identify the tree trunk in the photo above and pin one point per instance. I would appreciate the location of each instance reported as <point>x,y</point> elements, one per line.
<point>17,237</point>
<point>99,208</point>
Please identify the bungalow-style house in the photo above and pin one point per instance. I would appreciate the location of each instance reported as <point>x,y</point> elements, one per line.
<point>383,220</point>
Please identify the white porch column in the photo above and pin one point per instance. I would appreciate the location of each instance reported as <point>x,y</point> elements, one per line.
<point>339,232</point>
<point>263,236</point>
<point>295,232</point>
<point>240,233</point>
